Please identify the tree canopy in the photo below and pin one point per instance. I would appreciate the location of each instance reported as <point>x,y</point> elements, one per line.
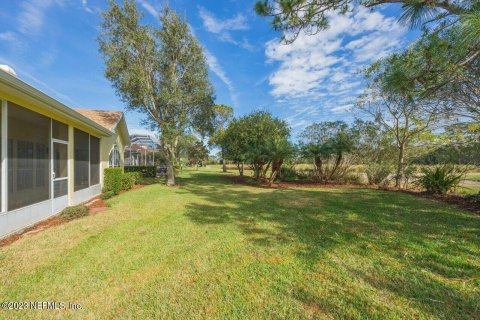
<point>312,16</point>
<point>159,71</point>
<point>260,140</point>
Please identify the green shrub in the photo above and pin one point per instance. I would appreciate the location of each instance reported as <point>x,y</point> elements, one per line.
<point>128,180</point>
<point>377,173</point>
<point>306,174</point>
<point>112,180</point>
<point>352,178</point>
<point>147,171</point>
<point>441,179</point>
<point>107,195</point>
<point>137,177</point>
<point>409,174</point>
<point>74,212</point>
<point>287,174</point>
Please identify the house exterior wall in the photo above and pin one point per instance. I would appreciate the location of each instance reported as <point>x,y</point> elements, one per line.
<point>106,146</point>
<point>15,220</point>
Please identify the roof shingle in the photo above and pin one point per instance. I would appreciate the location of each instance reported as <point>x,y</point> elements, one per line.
<point>105,118</point>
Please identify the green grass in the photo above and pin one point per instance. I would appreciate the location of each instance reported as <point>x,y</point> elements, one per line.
<point>473,177</point>
<point>214,250</point>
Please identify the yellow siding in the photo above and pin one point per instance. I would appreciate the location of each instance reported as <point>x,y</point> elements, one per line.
<point>106,143</point>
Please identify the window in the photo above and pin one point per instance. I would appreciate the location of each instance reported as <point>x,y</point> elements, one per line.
<point>114,158</point>
<point>59,131</point>
<point>94,161</point>
<point>82,159</point>
<point>28,157</point>
<point>60,160</point>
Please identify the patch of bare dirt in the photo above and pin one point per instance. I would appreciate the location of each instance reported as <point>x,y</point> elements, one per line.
<point>467,203</point>
<point>36,228</point>
<point>95,206</point>
<point>248,181</point>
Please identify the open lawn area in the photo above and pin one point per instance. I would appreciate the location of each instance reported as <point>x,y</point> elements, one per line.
<point>213,249</point>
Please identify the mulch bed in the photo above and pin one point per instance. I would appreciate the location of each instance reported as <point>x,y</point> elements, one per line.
<point>95,206</point>
<point>51,222</point>
<point>248,181</point>
<point>467,203</point>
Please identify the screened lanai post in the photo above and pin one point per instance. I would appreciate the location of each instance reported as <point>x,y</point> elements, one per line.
<point>71,165</point>
<point>4,148</point>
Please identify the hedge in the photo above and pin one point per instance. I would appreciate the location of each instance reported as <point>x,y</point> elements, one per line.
<point>116,180</point>
<point>112,180</point>
<point>107,195</point>
<point>147,171</point>
<point>128,180</point>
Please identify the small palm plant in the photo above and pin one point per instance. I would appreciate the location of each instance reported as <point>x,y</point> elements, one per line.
<point>441,179</point>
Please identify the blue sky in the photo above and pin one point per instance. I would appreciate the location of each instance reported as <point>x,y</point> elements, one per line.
<point>52,45</point>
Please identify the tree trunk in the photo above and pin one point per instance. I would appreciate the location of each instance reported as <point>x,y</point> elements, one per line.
<point>240,168</point>
<point>224,167</point>
<point>338,160</point>
<point>170,170</point>
<point>276,165</point>
<point>318,168</point>
<point>400,164</point>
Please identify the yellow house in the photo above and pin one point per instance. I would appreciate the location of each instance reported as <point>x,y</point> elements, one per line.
<point>52,156</point>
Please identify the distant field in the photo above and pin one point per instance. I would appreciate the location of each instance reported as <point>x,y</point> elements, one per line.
<point>473,177</point>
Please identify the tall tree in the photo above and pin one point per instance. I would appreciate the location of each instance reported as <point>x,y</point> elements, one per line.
<point>327,143</point>
<point>403,115</point>
<point>442,65</point>
<point>223,114</point>
<point>159,71</point>
<point>260,140</point>
<point>197,153</point>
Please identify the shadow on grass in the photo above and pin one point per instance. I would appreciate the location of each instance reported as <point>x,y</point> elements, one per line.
<point>433,246</point>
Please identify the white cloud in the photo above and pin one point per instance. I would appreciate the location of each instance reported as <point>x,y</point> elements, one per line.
<point>344,108</point>
<point>149,8</point>
<point>86,7</point>
<point>8,36</point>
<point>322,69</point>
<point>217,69</point>
<point>32,15</point>
<point>223,28</point>
<point>218,26</point>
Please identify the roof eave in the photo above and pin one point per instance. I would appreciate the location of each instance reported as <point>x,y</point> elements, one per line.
<point>36,94</point>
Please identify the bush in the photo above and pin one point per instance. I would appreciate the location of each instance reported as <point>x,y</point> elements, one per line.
<point>409,174</point>
<point>128,180</point>
<point>287,174</point>
<point>146,171</point>
<point>441,179</point>
<point>107,195</point>
<point>112,180</point>
<point>351,178</point>
<point>74,212</point>
<point>377,173</point>
<point>306,174</point>
<point>137,177</point>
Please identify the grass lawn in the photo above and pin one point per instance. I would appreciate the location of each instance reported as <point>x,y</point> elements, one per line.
<point>212,249</point>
